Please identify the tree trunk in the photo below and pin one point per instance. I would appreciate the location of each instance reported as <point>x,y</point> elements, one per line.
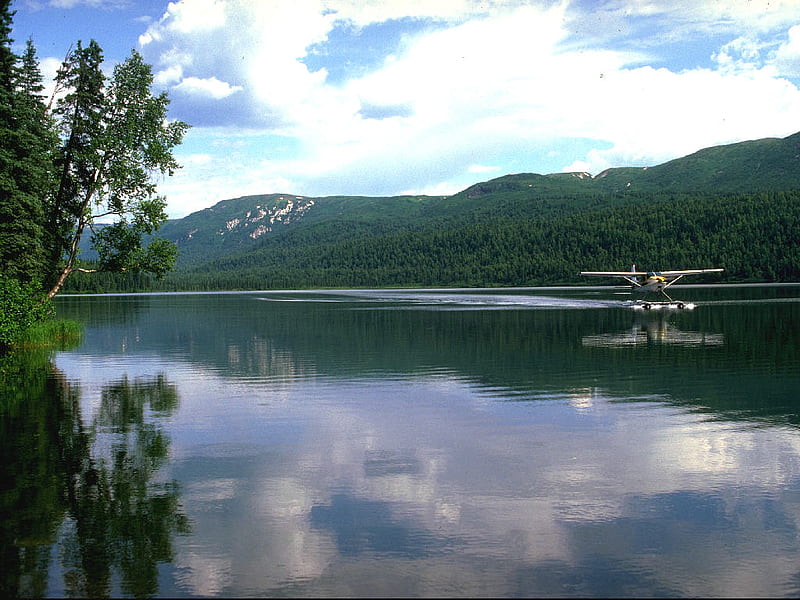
<point>61,279</point>
<point>73,249</point>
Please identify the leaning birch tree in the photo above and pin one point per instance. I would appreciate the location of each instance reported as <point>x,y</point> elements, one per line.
<point>115,140</point>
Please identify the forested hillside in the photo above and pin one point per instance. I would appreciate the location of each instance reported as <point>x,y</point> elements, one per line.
<point>755,237</point>
<point>734,206</point>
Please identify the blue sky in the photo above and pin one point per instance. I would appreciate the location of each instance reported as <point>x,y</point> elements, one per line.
<point>362,97</point>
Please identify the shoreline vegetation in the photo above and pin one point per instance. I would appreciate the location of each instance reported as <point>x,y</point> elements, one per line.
<point>54,333</point>
<point>28,321</point>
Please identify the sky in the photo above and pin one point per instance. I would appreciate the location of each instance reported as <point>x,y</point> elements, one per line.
<point>391,97</point>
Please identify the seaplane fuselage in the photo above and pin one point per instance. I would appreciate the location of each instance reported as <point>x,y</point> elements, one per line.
<point>653,283</point>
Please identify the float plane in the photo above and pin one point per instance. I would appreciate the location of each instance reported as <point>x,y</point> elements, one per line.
<point>652,282</point>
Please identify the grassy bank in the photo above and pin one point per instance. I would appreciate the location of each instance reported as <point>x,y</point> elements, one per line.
<point>51,333</point>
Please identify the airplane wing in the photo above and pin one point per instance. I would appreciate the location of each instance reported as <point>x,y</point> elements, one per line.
<point>613,273</point>
<point>667,274</point>
<point>670,274</point>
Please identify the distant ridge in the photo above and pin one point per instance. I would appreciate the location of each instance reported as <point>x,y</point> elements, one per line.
<point>767,164</point>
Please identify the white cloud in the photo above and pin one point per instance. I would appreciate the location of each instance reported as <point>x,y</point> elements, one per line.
<point>481,82</point>
<point>685,16</point>
<point>48,68</point>
<point>171,75</point>
<point>787,56</point>
<point>366,12</point>
<point>667,115</point>
<point>187,17</point>
<point>197,160</point>
<point>210,86</point>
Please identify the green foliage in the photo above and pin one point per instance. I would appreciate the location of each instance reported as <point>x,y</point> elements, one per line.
<point>116,135</point>
<point>26,142</point>
<point>21,306</point>
<point>753,166</point>
<point>119,248</point>
<point>158,258</point>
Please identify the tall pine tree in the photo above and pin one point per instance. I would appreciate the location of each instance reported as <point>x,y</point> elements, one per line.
<point>26,142</point>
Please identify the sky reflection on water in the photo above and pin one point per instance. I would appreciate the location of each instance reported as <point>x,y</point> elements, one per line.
<point>324,451</point>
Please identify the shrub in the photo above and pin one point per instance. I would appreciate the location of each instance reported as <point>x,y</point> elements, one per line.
<point>21,306</point>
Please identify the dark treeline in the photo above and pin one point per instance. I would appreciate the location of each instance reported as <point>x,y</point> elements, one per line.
<point>755,237</point>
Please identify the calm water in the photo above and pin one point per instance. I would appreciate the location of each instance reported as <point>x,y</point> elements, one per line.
<point>526,442</point>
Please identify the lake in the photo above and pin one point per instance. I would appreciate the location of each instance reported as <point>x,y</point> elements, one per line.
<point>407,443</point>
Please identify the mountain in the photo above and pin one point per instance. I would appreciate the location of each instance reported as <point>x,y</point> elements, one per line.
<point>239,224</point>
<point>735,206</point>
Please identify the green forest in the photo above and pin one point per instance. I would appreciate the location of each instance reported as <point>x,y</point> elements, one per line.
<point>754,237</point>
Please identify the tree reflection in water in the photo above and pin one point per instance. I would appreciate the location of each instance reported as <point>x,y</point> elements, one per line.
<point>89,491</point>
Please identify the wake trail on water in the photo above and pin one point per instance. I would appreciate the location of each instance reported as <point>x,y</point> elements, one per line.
<point>482,302</point>
<point>440,300</point>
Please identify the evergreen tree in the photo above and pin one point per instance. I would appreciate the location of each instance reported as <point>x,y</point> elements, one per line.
<point>26,140</point>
